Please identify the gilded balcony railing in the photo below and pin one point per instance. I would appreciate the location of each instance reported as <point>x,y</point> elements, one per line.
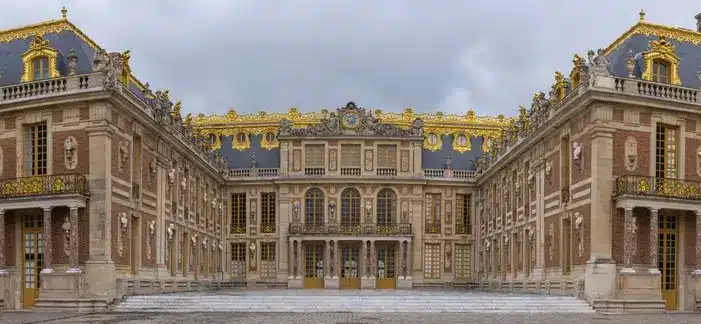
<point>463,229</point>
<point>433,227</point>
<point>351,230</point>
<point>44,185</point>
<point>658,187</point>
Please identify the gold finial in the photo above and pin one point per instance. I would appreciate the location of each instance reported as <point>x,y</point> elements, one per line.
<point>64,12</point>
<point>642,15</point>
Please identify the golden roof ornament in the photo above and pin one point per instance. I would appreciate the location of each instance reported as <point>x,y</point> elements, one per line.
<point>642,15</point>
<point>64,12</point>
<point>176,109</point>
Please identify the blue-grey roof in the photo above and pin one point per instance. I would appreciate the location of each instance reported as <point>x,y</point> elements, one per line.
<point>459,161</point>
<point>688,53</point>
<point>242,159</point>
<point>12,67</point>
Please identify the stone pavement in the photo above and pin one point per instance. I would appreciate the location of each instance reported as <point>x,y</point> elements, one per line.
<point>341,318</point>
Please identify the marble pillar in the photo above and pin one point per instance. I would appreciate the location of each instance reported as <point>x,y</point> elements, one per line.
<point>401,260</point>
<point>373,262</point>
<point>48,244</point>
<point>73,256</point>
<point>654,237</point>
<point>298,261</point>
<point>290,260</point>
<point>409,253</point>
<point>364,260</point>
<point>697,271</point>
<point>628,241</point>
<point>327,260</point>
<point>3,256</point>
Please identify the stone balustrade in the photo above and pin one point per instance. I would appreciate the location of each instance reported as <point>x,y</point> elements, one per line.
<point>132,287</point>
<point>274,173</point>
<point>352,230</point>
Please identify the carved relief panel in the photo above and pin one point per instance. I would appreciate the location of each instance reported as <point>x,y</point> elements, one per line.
<point>698,161</point>
<point>296,160</point>
<point>70,146</point>
<point>369,160</point>
<point>404,161</point>
<point>333,159</point>
<point>631,153</point>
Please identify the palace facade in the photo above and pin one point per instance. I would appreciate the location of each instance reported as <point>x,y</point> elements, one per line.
<point>107,190</point>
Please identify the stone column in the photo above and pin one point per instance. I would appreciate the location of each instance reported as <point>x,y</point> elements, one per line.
<point>290,259</point>
<point>3,261</point>
<point>48,244</point>
<point>697,271</point>
<point>628,241</point>
<point>408,259</point>
<point>73,266</point>
<point>334,259</point>
<point>361,265</point>
<point>401,259</point>
<point>373,262</point>
<point>298,260</point>
<point>654,237</point>
<point>327,260</point>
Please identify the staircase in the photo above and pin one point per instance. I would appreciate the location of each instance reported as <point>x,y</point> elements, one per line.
<point>362,301</point>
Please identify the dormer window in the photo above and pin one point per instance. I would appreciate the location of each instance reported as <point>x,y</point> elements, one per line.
<point>661,63</point>
<point>39,61</point>
<point>40,68</point>
<point>660,71</point>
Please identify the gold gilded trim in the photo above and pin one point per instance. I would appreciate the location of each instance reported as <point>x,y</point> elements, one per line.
<point>39,47</point>
<point>433,142</point>
<point>662,50</point>
<point>440,124</point>
<point>241,140</point>
<point>464,147</point>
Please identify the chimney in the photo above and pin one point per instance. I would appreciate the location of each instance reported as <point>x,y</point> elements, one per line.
<point>698,23</point>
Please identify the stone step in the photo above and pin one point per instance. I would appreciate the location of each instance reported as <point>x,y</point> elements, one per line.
<point>365,302</point>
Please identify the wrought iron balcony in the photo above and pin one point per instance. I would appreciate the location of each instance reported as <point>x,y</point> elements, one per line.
<point>44,185</point>
<point>354,230</point>
<point>658,187</point>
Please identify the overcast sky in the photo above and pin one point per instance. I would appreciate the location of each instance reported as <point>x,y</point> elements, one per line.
<point>447,55</point>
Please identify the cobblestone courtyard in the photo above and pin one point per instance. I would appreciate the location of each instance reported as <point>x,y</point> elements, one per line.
<point>340,318</point>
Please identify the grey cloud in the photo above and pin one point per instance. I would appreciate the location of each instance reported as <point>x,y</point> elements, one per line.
<point>448,55</point>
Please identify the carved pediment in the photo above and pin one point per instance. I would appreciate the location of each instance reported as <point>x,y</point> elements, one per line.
<point>351,120</point>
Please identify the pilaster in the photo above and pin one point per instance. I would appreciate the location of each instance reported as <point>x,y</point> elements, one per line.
<point>48,243</point>
<point>654,237</point>
<point>74,245</point>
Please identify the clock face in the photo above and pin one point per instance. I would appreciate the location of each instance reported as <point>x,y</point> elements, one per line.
<point>350,120</point>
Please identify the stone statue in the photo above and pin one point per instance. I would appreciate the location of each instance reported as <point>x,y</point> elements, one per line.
<point>417,127</point>
<point>285,127</point>
<point>576,152</point>
<point>170,230</point>
<point>152,169</point>
<point>597,66</point>
<point>171,176</point>
<point>111,65</point>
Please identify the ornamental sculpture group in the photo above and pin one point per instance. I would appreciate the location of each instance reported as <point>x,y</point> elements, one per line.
<point>530,120</point>
<point>367,125</point>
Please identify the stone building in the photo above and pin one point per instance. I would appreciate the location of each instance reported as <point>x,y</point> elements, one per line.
<point>106,189</point>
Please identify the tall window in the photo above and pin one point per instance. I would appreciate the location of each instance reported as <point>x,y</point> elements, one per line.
<point>463,216</point>
<point>268,267</point>
<point>350,159</point>
<point>314,207</point>
<point>666,152</point>
<point>37,150</point>
<point>238,260</point>
<point>314,156</point>
<point>40,68</point>
<point>432,261</point>
<point>267,212</point>
<point>387,156</point>
<point>386,207</point>
<point>463,261</point>
<point>350,209</point>
<point>238,213</point>
<point>660,72</point>
<point>433,213</point>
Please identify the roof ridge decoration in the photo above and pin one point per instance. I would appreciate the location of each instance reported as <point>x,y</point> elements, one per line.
<point>351,120</point>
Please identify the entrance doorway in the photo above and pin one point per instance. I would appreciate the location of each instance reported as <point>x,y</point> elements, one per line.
<point>386,267</point>
<point>313,265</point>
<point>667,259</point>
<point>350,261</point>
<point>33,257</point>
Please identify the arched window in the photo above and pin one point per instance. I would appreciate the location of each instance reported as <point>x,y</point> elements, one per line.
<point>40,68</point>
<point>386,207</point>
<point>660,71</point>
<point>350,209</point>
<point>314,207</point>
